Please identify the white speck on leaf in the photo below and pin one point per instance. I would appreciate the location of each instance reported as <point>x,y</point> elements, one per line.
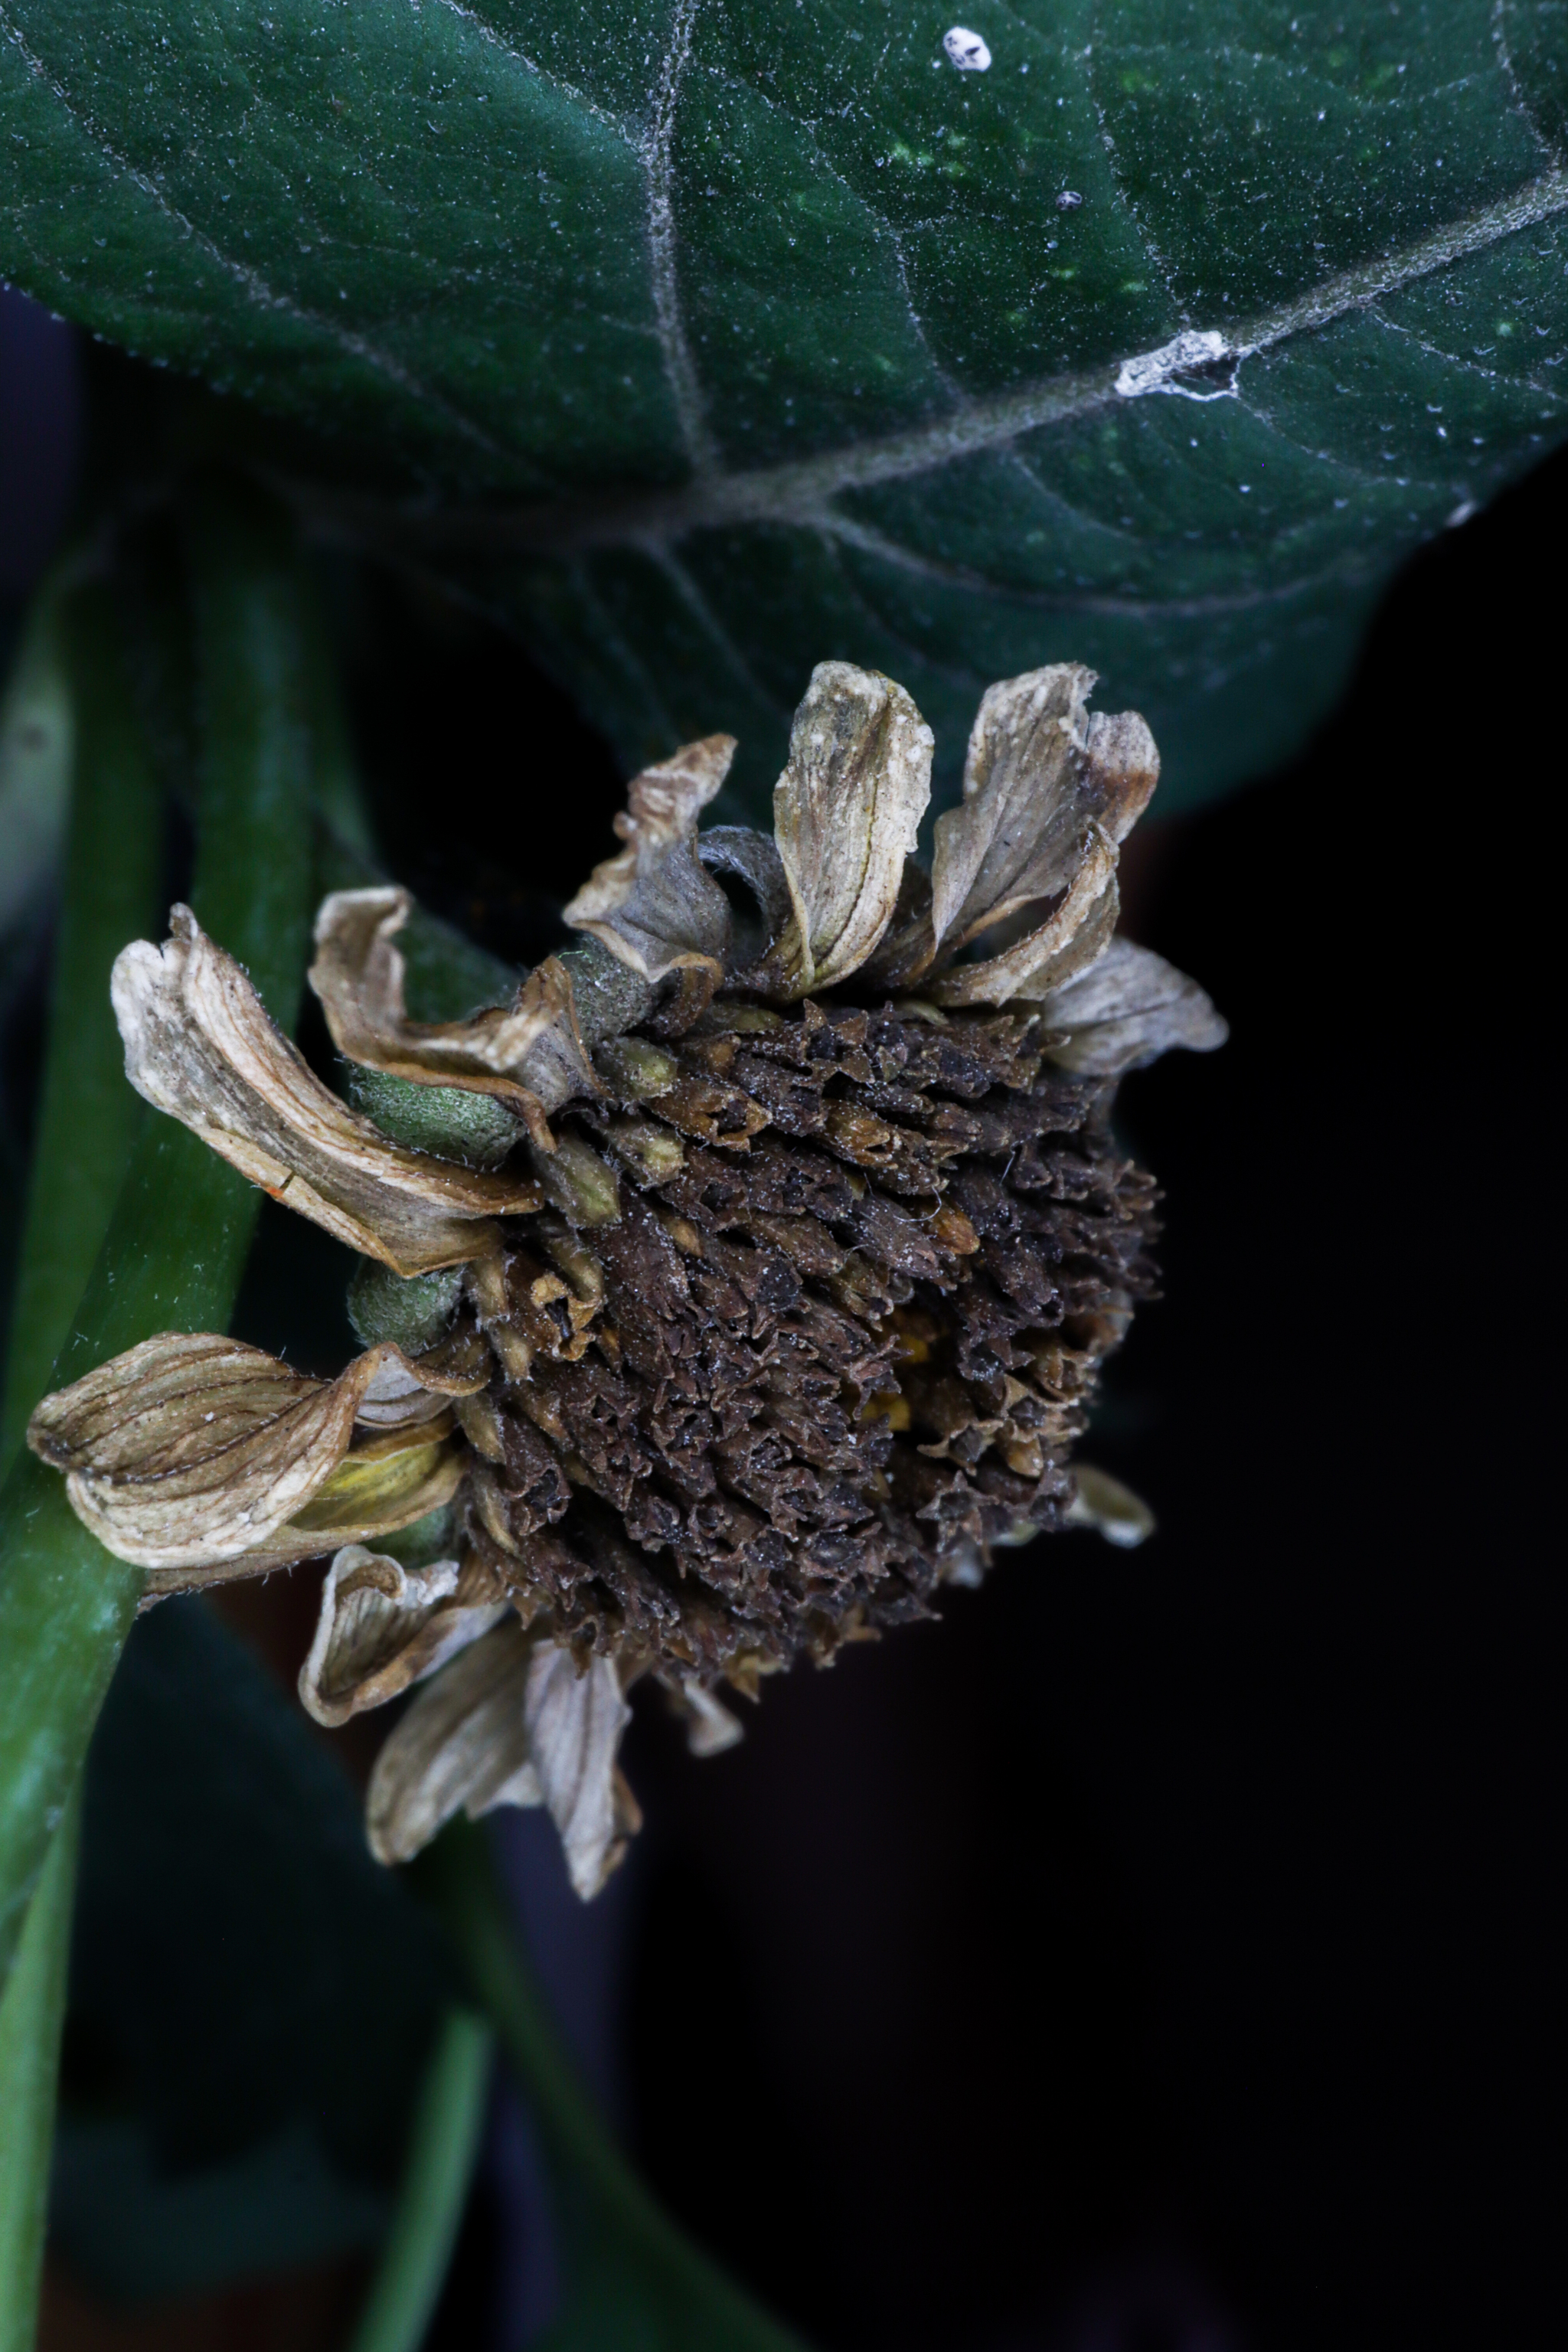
<point>1153,370</point>
<point>967,51</point>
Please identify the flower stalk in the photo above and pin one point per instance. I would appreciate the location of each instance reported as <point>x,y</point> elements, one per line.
<point>176,1242</point>
<point>629,2274</point>
<point>86,1132</point>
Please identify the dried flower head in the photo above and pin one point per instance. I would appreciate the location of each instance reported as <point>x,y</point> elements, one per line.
<point>743,1281</point>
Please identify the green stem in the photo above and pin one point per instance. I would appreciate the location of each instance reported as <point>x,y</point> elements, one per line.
<point>30,2019</point>
<point>176,1247</point>
<point>87,1115</point>
<point>87,1123</point>
<point>443,2145</point>
<point>631,2275</point>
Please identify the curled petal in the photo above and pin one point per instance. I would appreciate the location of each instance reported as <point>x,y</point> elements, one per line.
<point>1112,1511</point>
<point>464,1738</point>
<point>192,1449</point>
<point>652,905</point>
<point>909,944</point>
<point>1077,931</point>
<point>846,813</point>
<point>1038,771</point>
<point>383,1627</point>
<point>751,859</point>
<point>574,1726</point>
<point>386,1482</point>
<point>417,1388</point>
<point>509,1721</point>
<point>1127,1010</point>
<point>200,1044</point>
<point>359,975</point>
<point>711,1727</point>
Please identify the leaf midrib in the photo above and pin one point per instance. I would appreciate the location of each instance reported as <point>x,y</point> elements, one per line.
<point>801,490</point>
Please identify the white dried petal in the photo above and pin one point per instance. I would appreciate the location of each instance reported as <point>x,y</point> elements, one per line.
<point>1112,1511</point>
<point>1127,1010</point>
<point>511,1721</point>
<point>1040,769</point>
<point>193,1449</point>
<point>846,814</point>
<point>1077,931</point>
<point>200,1044</point>
<point>711,1727</point>
<point>359,975</point>
<point>409,1388</point>
<point>462,1740</point>
<point>383,1627</point>
<point>574,1726</point>
<point>652,905</point>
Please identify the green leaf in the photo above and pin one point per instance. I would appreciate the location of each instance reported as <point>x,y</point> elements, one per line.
<point>252,1998</point>
<point>182,1223</point>
<point>760,334</point>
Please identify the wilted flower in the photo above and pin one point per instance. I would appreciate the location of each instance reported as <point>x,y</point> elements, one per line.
<point>749,1280</point>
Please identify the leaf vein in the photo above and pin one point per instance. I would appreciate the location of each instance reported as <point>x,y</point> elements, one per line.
<point>975,426</point>
<point>663,243</point>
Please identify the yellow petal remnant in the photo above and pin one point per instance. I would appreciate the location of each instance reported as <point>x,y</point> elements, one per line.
<point>846,814</point>
<point>193,1449</point>
<point>200,1044</point>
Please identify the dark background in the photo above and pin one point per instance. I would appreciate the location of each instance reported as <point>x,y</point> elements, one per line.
<point>1152,1957</point>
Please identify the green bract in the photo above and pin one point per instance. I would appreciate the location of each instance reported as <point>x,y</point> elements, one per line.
<point>757,331</point>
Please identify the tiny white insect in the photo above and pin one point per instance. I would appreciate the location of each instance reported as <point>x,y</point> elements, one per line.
<point>966,49</point>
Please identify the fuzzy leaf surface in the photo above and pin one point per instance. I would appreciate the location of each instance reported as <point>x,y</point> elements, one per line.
<point>733,337</point>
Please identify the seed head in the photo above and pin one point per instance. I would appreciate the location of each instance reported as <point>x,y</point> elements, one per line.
<point>740,1283</point>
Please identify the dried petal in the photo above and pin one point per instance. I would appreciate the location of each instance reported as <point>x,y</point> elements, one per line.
<point>463,1739</point>
<point>1076,931</point>
<point>359,976</point>
<point>575,1724</point>
<point>200,1044</point>
<point>846,813</point>
<point>751,858</point>
<point>368,1496</point>
<point>383,1627</point>
<point>509,1721</point>
<point>653,905</point>
<point>410,1389</point>
<point>1112,1511</point>
<point>385,1483</point>
<point>1037,771</point>
<point>1127,1010</point>
<point>711,1727</point>
<point>907,947</point>
<point>193,1449</point>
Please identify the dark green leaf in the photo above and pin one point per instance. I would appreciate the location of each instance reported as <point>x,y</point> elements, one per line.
<point>765,335</point>
<point>251,1996</point>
